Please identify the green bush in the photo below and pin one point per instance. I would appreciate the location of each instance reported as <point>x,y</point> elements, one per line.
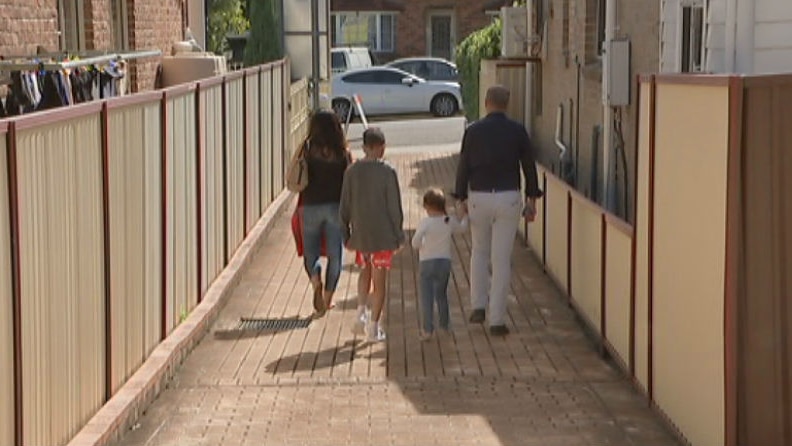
<point>225,17</point>
<point>264,44</point>
<point>482,44</point>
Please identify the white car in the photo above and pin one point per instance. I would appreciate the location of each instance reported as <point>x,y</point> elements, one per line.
<point>385,90</point>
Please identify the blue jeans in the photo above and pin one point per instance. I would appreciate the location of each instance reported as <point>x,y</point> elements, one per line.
<point>434,288</point>
<point>323,220</point>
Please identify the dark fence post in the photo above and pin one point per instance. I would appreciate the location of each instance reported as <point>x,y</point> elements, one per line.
<point>16,278</point>
<point>105,147</point>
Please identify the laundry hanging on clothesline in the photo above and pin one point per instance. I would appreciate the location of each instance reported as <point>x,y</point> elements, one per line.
<point>37,84</point>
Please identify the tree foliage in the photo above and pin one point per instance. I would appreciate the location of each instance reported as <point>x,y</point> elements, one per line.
<point>225,17</point>
<point>264,44</point>
<point>482,44</point>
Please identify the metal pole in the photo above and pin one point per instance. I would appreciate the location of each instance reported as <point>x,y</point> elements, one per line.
<point>315,75</point>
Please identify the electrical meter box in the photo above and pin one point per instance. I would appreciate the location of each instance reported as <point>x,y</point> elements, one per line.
<point>617,92</point>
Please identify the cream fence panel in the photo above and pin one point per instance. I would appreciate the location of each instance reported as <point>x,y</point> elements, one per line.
<point>62,277</point>
<point>618,269</point>
<point>642,240</point>
<point>556,230</point>
<point>181,198</point>
<point>212,186</point>
<point>689,256</point>
<point>6,316</point>
<point>235,168</point>
<point>253,158</point>
<point>536,228</point>
<point>279,122</point>
<point>267,138</point>
<point>586,260</point>
<point>135,235</point>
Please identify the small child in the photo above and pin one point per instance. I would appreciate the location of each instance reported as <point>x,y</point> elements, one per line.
<point>433,241</point>
<point>371,219</point>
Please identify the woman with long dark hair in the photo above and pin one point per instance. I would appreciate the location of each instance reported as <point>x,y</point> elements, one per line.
<point>327,157</point>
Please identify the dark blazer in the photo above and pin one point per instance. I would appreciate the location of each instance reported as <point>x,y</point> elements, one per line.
<point>493,150</point>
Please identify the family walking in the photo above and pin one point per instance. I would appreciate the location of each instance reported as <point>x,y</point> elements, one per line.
<point>357,205</point>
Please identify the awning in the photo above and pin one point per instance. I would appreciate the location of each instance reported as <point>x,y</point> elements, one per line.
<point>495,5</point>
<point>367,5</point>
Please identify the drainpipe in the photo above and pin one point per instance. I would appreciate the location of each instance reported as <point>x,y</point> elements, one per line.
<point>607,111</point>
<point>730,62</point>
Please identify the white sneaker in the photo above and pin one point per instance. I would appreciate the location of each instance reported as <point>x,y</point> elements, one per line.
<point>375,332</point>
<point>359,328</point>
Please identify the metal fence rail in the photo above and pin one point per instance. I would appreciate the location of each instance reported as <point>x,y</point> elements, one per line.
<point>117,216</point>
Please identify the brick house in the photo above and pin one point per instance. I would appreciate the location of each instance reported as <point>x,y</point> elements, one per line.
<point>402,28</point>
<point>570,77</point>
<point>86,25</point>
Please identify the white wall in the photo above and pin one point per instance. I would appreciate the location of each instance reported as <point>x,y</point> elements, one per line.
<point>668,36</point>
<point>744,36</point>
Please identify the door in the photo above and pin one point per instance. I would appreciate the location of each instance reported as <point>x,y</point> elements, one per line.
<point>441,35</point>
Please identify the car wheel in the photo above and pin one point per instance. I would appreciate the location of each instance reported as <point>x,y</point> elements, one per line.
<point>444,105</point>
<point>342,109</point>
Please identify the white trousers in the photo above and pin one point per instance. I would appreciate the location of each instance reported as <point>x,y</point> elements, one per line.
<point>494,218</point>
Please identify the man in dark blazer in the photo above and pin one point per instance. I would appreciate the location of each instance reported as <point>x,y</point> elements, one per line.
<point>488,185</point>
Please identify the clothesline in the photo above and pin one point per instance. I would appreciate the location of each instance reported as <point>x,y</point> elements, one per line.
<point>15,65</point>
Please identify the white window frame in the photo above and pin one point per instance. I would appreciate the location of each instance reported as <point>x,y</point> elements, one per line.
<point>72,39</point>
<point>336,18</point>
<point>681,31</point>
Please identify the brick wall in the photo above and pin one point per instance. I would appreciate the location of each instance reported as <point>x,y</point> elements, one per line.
<point>153,24</point>
<point>637,20</point>
<point>98,25</point>
<point>25,24</point>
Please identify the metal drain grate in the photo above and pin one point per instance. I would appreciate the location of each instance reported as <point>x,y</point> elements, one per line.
<point>272,324</point>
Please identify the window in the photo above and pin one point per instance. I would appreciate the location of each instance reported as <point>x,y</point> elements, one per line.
<point>120,24</point>
<point>361,78</point>
<point>338,61</point>
<point>388,77</point>
<point>601,13</point>
<point>71,22</point>
<point>692,41</point>
<point>595,30</point>
<point>375,30</point>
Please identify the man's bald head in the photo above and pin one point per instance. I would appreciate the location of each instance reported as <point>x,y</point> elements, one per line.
<point>497,98</point>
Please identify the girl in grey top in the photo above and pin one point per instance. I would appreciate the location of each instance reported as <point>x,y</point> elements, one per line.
<point>371,220</point>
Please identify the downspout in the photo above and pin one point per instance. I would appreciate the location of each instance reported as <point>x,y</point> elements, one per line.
<point>558,142</point>
<point>607,111</point>
<point>730,64</point>
<point>577,120</point>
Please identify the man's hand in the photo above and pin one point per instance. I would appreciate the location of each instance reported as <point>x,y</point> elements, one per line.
<point>461,209</point>
<point>529,211</point>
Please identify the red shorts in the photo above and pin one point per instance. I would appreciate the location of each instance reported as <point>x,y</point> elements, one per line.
<point>379,259</point>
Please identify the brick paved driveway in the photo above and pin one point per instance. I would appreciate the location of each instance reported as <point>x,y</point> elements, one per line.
<point>317,384</point>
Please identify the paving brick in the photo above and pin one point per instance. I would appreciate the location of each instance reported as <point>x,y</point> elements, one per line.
<point>545,384</point>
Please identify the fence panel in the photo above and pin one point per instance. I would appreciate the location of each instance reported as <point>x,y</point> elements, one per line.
<point>62,274</point>
<point>642,176</point>
<point>267,138</point>
<point>253,148</point>
<point>618,269</point>
<point>134,153</point>
<point>213,223</point>
<point>7,419</point>
<point>688,286</point>
<point>280,123</point>
<point>300,115</point>
<point>235,167</point>
<point>556,230</point>
<point>181,205</point>
<point>586,260</point>
<point>535,231</point>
